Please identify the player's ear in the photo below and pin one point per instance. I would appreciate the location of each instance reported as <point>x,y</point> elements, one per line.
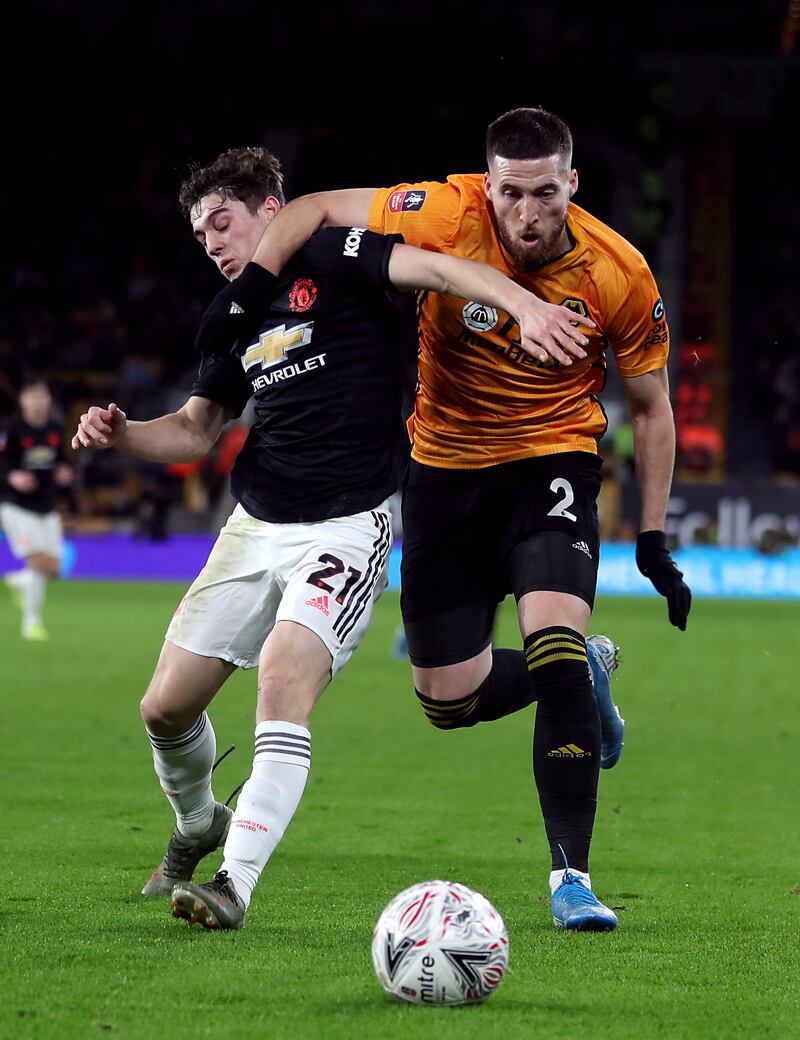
<point>269,207</point>
<point>487,185</point>
<point>573,182</point>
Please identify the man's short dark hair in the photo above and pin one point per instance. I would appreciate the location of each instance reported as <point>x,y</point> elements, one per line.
<point>28,380</point>
<point>247,174</point>
<point>528,133</point>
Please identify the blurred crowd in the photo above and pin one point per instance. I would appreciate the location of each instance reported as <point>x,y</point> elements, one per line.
<point>775,356</point>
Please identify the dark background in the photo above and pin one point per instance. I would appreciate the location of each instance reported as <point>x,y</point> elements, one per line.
<point>683,116</point>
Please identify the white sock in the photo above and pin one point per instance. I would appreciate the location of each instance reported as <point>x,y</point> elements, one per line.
<point>267,802</point>
<point>32,587</point>
<point>183,766</point>
<point>557,876</point>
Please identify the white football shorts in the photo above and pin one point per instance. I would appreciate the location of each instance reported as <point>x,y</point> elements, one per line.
<point>28,532</point>
<point>326,576</point>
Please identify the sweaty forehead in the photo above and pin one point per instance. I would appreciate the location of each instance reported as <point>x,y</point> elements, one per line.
<point>529,170</point>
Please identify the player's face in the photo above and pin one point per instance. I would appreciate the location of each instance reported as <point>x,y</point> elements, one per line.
<point>530,198</point>
<point>34,403</point>
<point>228,231</point>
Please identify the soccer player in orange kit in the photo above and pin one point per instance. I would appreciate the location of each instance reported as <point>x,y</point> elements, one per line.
<point>501,490</point>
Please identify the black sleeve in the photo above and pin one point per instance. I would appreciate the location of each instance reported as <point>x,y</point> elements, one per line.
<point>9,450</point>
<point>9,457</point>
<point>353,256</point>
<point>5,461</point>
<point>237,311</point>
<point>222,380</point>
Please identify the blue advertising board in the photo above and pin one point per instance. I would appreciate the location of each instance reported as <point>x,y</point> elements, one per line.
<point>710,571</point>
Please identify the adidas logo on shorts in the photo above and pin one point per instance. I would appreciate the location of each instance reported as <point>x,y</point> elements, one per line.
<point>582,547</point>
<point>320,602</point>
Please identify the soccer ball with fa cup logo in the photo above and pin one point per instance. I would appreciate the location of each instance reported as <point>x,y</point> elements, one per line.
<point>439,942</point>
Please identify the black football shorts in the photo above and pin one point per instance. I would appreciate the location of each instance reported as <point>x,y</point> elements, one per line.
<point>470,537</point>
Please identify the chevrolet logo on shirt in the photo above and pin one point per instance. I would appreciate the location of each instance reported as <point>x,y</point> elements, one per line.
<point>274,345</point>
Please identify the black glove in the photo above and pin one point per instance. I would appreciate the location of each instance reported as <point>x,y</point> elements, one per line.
<point>237,311</point>
<point>654,561</point>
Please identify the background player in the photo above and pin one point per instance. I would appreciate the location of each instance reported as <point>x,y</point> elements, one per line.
<point>501,493</point>
<point>292,579</point>
<point>33,459</point>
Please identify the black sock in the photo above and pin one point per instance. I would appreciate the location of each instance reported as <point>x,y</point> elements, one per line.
<point>566,741</point>
<point>507,688</point>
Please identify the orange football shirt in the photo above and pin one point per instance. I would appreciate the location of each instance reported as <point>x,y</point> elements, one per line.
<point>481,399</point>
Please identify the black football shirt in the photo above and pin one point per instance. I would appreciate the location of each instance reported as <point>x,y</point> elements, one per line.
<point>324,371</point>
<point>37,449</point>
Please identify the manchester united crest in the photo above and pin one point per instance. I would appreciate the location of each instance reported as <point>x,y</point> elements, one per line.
<point>302,295</point>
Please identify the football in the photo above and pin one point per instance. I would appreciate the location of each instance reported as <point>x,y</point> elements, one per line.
<point>439,942</point>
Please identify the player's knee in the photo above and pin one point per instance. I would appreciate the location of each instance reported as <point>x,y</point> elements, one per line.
<point>163,711</point>
<point>557,663</point>
<point>162,718</point>
<point>150,712</point>
<point>45,564</point>
<point>453,714</point>
<point>53,567</point>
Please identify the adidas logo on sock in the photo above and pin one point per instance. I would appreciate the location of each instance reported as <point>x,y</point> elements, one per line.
<point>320,602</point>
<point>569,751</point>
<point>582,547</point>
<point>236,309</point>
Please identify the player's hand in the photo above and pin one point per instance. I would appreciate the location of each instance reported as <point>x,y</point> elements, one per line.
<point>654,561</point>
<point>100,428</point>
<point>550,331</point>
<point>236,312</point>
<point>22,480</point>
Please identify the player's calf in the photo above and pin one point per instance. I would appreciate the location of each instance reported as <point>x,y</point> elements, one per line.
<point>505,689</point>
<point>566,740</point>
<point>508,688</point>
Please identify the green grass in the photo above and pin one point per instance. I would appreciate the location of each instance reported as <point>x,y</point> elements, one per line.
<point>696,845</point>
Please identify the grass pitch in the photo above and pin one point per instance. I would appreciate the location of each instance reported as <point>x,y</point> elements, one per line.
<point>696,846</point>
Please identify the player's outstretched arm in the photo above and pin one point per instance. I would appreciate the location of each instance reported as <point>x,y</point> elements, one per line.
<point>654,450</point>
<point>547,330</point>
<point>182,436</point>
<point>297,221</point>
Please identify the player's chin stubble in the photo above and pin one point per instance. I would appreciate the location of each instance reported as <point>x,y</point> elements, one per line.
<point>548,250</point>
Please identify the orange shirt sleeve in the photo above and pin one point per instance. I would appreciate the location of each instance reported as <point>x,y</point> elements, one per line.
<point>427,214</point>
<point>637,330</point>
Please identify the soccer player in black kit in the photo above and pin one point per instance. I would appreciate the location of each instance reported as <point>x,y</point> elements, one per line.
<point>34,468</point>
<point>290,584</point>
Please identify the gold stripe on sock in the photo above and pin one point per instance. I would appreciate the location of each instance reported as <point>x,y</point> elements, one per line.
<point>556,648</point>
<point>446,714</point>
